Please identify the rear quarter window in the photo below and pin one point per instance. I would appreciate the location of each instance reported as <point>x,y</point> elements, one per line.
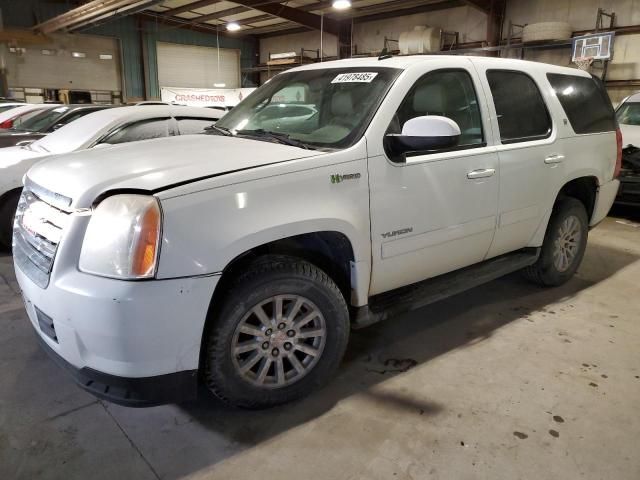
<point>585,101</point>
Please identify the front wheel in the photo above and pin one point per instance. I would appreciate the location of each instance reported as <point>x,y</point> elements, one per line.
<point>564,244</point>
<point>280,333</point>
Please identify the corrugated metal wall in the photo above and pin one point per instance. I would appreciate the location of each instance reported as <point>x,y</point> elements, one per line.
<point>26,13</point>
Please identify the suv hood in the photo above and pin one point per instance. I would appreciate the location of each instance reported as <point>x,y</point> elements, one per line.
<point>153,165</point>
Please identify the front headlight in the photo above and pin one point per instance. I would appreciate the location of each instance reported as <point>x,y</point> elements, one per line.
<point>122,238</point>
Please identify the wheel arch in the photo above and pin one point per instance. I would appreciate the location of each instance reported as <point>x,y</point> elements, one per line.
<point>583,188</point>
<point>330,250</point>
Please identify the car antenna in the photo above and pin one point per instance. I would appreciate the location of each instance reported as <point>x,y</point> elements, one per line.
<point>384,54</point>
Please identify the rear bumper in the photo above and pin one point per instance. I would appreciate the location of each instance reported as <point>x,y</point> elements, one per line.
<point>130,392</point>
<point>629,191</point>
<point>604,200</point>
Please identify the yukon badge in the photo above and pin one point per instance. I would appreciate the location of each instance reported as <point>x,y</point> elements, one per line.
<point>337,178</point>
<point>395,233</point>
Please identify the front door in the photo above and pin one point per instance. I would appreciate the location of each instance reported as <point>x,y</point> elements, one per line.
<point>434,212</point>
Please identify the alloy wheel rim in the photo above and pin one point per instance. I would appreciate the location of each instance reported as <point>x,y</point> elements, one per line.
<point>567,243</point>
<point>278,341</point>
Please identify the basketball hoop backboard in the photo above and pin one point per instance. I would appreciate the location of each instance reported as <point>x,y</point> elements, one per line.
<point>595,46</point>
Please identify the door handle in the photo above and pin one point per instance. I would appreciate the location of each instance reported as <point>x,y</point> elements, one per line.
<point>555,158</point>
<point>481,173</point>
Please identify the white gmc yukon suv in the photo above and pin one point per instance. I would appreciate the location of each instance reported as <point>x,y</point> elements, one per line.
<point>242,258</point>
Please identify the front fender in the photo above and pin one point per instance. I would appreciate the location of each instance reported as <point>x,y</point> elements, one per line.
<point>205,230</point>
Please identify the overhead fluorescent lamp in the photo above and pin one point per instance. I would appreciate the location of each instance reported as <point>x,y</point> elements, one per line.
<point>106,56</point>
<point>341,4</point>
<point>219,85</point>
<point>233,27</point>
<point>46,51</point>
<point>78,54</point>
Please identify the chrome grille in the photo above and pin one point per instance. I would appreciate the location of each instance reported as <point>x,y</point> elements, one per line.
<point>37,230</point>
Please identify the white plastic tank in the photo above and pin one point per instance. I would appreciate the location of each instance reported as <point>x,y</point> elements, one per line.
<point>421,39</point>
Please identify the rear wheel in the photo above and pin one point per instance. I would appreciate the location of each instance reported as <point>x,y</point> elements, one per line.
<point>564,244</point>
<point>280,333</point>
<point>8,206</point>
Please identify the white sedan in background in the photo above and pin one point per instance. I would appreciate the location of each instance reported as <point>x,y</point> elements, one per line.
<point>628,115</point>
<point>106,127</point>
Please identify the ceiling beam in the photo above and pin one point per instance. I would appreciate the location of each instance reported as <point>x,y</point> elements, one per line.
<point>217,15</point>
<point>181,23</point>
<point>189,6</point>
<point>370,13</point>
<point>482,5</point>
<point>296,15</point>
<point>86,11</point>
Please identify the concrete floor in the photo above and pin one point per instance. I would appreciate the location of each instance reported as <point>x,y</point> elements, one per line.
<point>505,381</point>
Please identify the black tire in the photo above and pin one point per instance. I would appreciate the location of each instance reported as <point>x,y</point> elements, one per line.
<point>8,206</point>
<point>545,271</point>
<point>270,277</point>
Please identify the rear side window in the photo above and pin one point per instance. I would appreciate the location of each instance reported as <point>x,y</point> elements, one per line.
<point>188,126</point>
<point>585,102</point>
<point>144,130</point>
<point>522,113</point>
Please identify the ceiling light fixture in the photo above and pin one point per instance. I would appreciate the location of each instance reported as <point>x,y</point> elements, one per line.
<point>219,85</point>
<point>341,4</point>
<point>233,26</point>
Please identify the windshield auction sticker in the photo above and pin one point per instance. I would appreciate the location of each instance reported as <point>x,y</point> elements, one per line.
<point>355,77</point>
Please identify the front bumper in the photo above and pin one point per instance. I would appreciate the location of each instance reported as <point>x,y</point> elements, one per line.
<point>134,343</point>
<point>130,392</point>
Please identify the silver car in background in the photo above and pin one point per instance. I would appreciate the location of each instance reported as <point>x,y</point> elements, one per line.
<point>106,127</point>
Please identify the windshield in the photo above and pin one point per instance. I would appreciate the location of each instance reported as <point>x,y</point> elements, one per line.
<point>312,108</point>
<point>629,114</point>
<point>40,121</point>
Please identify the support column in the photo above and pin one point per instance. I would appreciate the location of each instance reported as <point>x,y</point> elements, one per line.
<point>345,33</point>
<point>495,20</point>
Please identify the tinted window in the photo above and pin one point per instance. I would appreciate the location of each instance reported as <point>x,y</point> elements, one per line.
<point>72,116</point>
<point>447,93</point>
<point>140,131</point>
<point>42,120</point>
<point>629,113</point>
<point>585,102</point>
<point>187,126</point>
<point>4,108</point>
<point>522,113</point>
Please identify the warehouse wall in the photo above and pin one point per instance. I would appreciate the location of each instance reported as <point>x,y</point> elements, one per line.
<point>26,13</point>
<point>581,15</point>
<point>369,36</point>
<point>472,25</point>
<point>296,41</point>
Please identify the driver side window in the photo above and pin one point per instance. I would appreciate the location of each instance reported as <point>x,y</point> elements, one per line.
<point>447,93</point>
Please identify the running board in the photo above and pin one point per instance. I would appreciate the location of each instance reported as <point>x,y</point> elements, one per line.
<point>421,294</point>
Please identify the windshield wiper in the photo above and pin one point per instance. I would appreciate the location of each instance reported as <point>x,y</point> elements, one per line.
<point>282,138</point>
<point>213,129</point>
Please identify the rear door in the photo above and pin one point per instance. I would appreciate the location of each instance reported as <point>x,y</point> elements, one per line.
<point>529,152</point>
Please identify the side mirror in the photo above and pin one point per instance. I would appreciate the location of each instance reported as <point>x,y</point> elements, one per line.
<point>24,143</point>
<point>57,126</point>
<point>421,134</point>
